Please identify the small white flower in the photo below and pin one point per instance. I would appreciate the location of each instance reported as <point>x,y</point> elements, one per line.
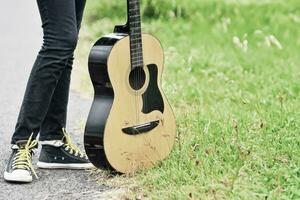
<point>236,40</point>
<point>275,41</point>
<point>241,44</point>
<point>245,45</point>
<point>225,21</point>
<point>272,40</point>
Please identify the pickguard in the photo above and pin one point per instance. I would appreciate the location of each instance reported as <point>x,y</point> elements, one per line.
<point>152,98</point>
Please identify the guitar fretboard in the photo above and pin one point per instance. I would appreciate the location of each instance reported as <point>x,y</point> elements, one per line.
<point>135,33</point>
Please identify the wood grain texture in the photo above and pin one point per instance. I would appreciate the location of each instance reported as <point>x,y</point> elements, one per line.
<point>129,153</point>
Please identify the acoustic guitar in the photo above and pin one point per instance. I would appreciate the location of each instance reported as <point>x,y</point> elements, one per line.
<point>131,125</point>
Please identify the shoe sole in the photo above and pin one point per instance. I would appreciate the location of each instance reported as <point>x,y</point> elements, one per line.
<point>44,165</point>
<point>20,179</point>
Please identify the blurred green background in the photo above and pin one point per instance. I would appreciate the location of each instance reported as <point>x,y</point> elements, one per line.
<point>232,76</point>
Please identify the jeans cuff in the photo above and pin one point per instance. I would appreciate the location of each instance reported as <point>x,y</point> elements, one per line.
<point>51,137</point>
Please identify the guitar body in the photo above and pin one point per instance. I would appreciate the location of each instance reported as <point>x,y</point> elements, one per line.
<point>131,125</point>
<point>114,108</point>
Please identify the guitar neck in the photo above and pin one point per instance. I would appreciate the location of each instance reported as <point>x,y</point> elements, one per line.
<point>135,33</point>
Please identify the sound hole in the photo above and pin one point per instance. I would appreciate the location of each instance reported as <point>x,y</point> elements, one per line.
<point>137,78</point>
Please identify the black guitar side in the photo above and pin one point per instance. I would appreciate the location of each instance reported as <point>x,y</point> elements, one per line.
<point>103,99</point>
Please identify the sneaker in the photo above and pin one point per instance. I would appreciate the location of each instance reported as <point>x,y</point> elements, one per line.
<point>19,167</point>
<point>62,155</point>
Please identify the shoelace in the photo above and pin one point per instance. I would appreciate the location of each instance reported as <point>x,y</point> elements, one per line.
<point>72,148</point>
<point>23,157</point>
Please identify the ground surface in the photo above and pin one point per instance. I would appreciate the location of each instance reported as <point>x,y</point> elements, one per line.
<point>20,41</point>
<point>232,76</point>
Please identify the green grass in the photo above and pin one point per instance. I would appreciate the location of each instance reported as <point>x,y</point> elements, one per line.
<point>237,104</point>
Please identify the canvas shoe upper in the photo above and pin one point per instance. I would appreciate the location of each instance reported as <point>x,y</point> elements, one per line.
<point>19,167</point>
<point>62,155</point>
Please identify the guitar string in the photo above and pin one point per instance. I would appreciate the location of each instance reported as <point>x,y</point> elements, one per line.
<point>135,75</point>
<point>131,56</point>
<point>136,57</point>
<point>137,62</point>
<point>137,47</point>
<point>138,51</point>
<point>140,48</point>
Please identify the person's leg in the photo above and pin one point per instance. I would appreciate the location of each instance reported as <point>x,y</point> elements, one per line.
<point>60,39</point>
<point>58,151</point>
<point>55,120</point>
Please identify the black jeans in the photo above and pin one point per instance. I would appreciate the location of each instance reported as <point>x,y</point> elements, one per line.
<point>44,107</point>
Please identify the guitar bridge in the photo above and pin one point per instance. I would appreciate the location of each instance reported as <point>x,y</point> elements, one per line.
<point>141,128</point>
